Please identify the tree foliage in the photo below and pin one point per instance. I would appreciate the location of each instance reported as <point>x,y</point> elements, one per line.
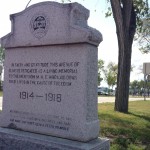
<point>142,11</point>
<point>1,63</point>
<point>100,70</point>
<point>143,38</point>
<point>111,74</point>
<point>138,87</point>
<point>2,56</point>
<point>143,25</point>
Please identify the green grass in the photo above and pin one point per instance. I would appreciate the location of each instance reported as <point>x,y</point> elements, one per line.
<point>1,93</point>
<point>126,131</point>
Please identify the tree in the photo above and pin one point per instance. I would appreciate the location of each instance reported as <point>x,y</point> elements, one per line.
<point>134,86</point>
<point>143,38</point>
<point>143,29</point>
<point>111,74</point>
<point>142,86</point>
<point>110,79</point>
<point>1,64</point>
<point>127,16</point>
<point>2,56</point>
<point>138,87</point>
<point>113,68</point>
<point>100,69</point>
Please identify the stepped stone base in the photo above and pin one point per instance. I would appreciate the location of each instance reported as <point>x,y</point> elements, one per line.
<point>19,140</point>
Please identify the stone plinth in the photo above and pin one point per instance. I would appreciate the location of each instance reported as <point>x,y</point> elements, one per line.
<point>18,140</point>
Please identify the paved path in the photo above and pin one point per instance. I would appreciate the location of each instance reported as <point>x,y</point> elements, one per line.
<point>112,99</point>
<point>100,100</point>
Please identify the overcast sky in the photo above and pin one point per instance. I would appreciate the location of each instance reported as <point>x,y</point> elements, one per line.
<point>108,49</point>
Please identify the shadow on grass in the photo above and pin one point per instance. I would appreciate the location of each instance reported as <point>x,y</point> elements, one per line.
<point>125,131</point>
<point>147,118</point>
<point>115,120</point>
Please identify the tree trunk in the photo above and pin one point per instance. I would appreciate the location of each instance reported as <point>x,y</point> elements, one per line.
<point>125,20</point>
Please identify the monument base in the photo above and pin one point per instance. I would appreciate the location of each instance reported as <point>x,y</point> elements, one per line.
<point>11,139</point>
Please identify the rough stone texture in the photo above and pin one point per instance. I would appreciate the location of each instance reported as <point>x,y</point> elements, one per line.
<point>50,80</point>
<point>65,23</point>
<point>75,116</point>
<point>18,140</point>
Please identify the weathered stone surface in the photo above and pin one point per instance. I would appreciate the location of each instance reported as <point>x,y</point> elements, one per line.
<point>18,140</point>
<point>43,99</point>
<point>50,80</point>
<point>59,24</point>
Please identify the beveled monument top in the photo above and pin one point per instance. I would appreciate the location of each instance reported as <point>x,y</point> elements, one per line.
<point>49,23</point>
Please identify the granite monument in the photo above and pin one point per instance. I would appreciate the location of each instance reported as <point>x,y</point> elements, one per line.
<point>50,78</point>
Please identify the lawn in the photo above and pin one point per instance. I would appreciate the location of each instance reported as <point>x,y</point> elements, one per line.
<point>1,93</point>
<point>126,131</point>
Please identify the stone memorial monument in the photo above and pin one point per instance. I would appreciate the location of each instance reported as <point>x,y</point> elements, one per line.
<point>50,80</point>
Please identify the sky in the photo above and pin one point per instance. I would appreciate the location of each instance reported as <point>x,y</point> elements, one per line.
<point>108,48</point>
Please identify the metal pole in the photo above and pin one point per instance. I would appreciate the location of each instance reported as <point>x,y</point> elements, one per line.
<point>144,87</point>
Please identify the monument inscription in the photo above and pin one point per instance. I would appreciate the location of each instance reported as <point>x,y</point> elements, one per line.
<point>51,72</point>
